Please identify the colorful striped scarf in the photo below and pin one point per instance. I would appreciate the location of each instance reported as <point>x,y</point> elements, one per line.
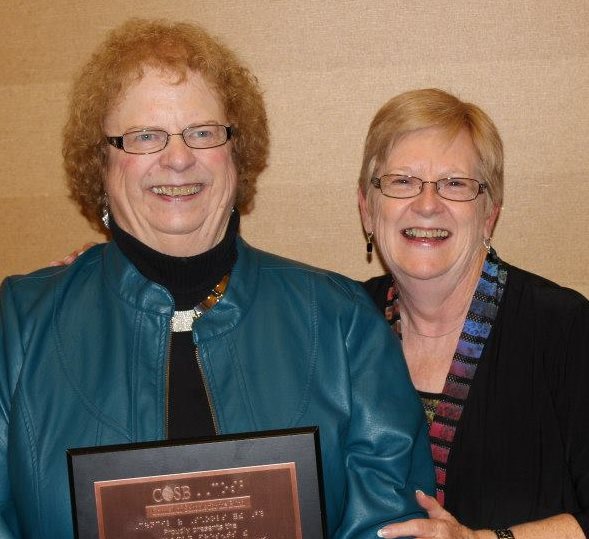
<point>476,330</point>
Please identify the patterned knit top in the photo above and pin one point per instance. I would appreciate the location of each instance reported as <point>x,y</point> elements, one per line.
<point>445,409</point>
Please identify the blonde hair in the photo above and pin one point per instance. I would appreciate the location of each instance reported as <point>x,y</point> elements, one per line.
<point>422,109</point>
<point>177,48</point>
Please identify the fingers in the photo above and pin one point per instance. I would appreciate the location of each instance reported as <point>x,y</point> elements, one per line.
<point>418,528</point>
<point>431,505</point>
<point>423,528</point>
<point>73,255</point>
<point>87,246</point>
<point>440,524</point>
<point>66,261</point>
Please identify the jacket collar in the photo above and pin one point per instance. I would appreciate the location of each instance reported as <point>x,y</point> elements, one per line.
<point>238,298</point>
<point>134,289</point>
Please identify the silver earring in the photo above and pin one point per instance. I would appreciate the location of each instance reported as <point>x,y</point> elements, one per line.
<point>105,217</point>
<point>487,244</point>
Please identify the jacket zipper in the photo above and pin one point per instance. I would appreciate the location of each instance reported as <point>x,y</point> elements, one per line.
<point>167,382</point>
<point>204,381</point>
<point>207,390</point>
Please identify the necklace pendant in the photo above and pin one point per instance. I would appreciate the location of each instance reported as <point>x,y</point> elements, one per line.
<point>182,320</point>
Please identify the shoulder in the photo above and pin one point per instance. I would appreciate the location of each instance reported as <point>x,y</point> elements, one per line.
<point>39,287</point>
<point>535,309</point>
<point>377,289</point>
<point>277,271</point>
<point>543,295</point>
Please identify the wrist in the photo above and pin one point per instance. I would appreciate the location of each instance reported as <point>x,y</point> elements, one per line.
<point>504,533</point>
<point>485,534</point>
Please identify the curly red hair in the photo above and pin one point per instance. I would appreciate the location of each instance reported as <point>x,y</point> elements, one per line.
<point>176,48</point>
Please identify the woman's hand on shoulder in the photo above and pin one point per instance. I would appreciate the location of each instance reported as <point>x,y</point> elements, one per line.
<point>439,525</point>
<point>73,255</point>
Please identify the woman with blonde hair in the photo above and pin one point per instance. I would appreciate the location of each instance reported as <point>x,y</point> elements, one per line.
<point>499,356</point>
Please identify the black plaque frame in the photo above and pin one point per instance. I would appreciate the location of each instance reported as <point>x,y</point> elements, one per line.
<point>295,448</point>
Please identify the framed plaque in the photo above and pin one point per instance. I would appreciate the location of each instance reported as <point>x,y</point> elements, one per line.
<point>257,486</point>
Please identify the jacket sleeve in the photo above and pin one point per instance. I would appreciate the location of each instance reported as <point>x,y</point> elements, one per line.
<point>387,451</point>
<point>10,360</point>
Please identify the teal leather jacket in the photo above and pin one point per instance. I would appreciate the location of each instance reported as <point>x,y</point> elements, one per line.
<point>83,362</point>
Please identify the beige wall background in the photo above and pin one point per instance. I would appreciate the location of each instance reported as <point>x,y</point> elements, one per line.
<point>326,67</point>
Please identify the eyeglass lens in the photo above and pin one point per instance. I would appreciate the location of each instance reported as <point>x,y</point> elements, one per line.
<point>155,140</point>
<point>400,186</point>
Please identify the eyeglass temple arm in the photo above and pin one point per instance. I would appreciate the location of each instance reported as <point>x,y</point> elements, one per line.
<point>117,142</point>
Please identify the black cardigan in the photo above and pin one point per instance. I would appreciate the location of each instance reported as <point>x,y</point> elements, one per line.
<point>521,450</point>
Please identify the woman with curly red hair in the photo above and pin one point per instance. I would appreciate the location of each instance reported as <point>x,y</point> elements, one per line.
<point>178,328</point>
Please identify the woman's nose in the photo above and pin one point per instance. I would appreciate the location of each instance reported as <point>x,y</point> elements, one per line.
<point>428,201</point>
<point>177,154</point>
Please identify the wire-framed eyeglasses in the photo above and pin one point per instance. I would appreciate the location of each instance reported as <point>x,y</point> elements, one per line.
<point>145,141</point>
<point>454,188</point>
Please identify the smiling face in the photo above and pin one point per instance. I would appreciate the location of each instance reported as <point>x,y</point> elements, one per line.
<point>177,201</point>
<point>427,237</point>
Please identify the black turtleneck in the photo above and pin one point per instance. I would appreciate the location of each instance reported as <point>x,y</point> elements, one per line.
<point>189,280</point>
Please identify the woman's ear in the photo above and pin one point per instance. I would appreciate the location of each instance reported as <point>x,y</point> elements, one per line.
<point>365,212</point>
<point>491,220</point>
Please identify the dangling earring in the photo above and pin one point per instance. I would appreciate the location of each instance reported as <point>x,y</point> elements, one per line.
<point>369,236</point>
<point>487,244</point>
<point>105,217</point>
<point>369,242</point>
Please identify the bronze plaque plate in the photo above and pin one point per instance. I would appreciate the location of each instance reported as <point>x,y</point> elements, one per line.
<point>253,502</point>
<point>262,485</point>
